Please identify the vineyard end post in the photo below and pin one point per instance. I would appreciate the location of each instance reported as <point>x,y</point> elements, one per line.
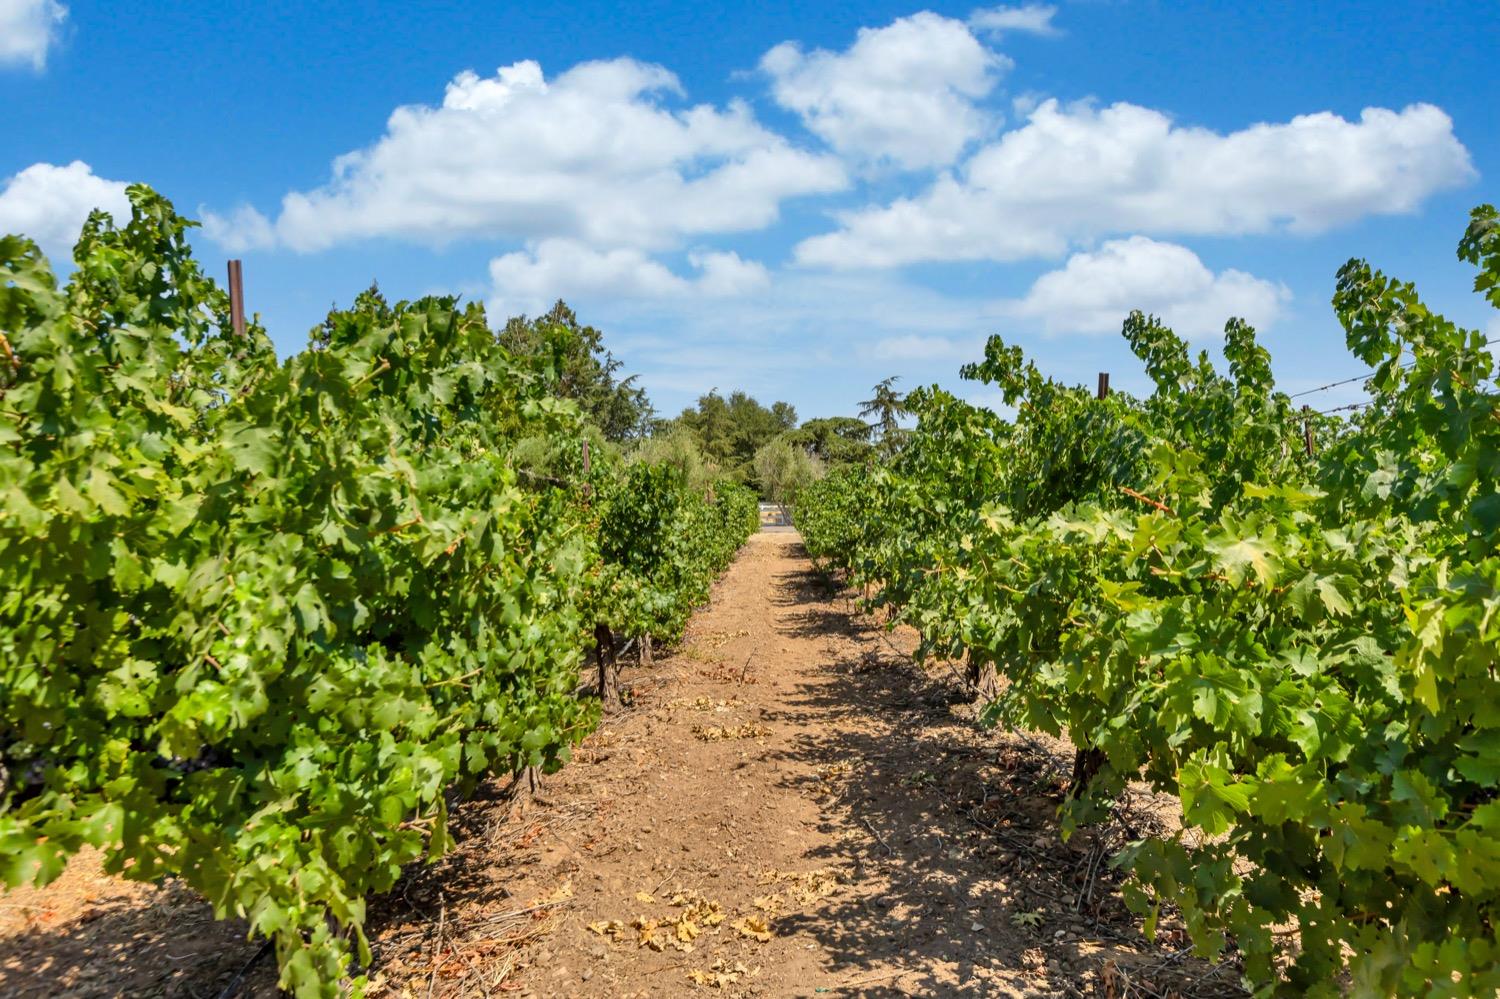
<point>237,297</point>
<point>1088,761</point>
<point>588,487</point>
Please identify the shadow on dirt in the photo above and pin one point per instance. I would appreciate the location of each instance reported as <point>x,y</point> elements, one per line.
<point>980,890</point>
<point>169,945</point>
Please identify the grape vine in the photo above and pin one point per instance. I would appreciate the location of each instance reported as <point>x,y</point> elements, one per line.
<point>1300,647</point>
<point>260,621</point>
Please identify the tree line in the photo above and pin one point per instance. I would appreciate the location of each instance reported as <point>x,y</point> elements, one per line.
<point>733,437</point>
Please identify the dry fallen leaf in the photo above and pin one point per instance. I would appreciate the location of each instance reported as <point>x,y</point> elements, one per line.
<point>755,927</point>
<point>804,888</point>
<point>718,975</point>
<point>702,703</point>
<point>1116,984</point>
<point>713,979</point>
<point>699,909</point>
<point>716,733</point>
<point>611,928</point>
<point>721,638</point>
<point>561,893</point>
<point>646,933</point>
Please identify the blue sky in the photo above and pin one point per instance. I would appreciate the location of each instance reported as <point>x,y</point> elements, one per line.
<point>797,200</point>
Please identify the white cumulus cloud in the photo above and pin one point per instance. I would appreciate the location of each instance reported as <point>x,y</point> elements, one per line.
<point>1094,291</point>
<point>531,279</point>
<point>50,203</point>
<point>28,29</point>
<point>1031,18</point>
<point>726,274</point>
<point>1079,172</point>
<point>595,154</point>
<point>904,93</point>
<point>915,347</point>
<point>241,230</point>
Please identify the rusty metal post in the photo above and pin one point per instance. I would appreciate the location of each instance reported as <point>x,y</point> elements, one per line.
<point>588,487</point>
<point>1088,761</point>
<point>236,298</point>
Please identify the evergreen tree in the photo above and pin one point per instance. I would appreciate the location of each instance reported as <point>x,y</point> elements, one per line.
<point>575,357</point>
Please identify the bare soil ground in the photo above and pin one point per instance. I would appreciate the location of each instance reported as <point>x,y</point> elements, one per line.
<point>785,807</point>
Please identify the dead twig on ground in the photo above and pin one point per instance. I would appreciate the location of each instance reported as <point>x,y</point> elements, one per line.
<point>517,913</point>
<point>872,980</point>
<point>663,881</point>
<point>438,949</point>
<point>234,983</point>
<point>878,838</point>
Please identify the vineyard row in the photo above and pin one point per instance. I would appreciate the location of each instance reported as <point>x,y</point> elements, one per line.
<point>1290,621</point>
<point>262,621</point>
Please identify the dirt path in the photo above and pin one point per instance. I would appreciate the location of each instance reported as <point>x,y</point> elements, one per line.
<point>801,822</point>
<point>786,808</point>
<point>819,818</point>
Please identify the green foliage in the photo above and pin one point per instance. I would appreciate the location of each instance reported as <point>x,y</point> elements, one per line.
<point>679,448</point>
<point>838,440</point>
<point>829,516</point>
<point>578,367</point>
<point>258,619</point>
<point>730,430</point>
<point>1301,649</point>
<point>370,308</point>
<point>663,543</point>
<point>783,470</point>
<point>887,406</point>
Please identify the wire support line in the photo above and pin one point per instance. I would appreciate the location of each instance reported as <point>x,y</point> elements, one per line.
<point>1366,375</point>
<point>1325,388</point>
<point>1371,402</point>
